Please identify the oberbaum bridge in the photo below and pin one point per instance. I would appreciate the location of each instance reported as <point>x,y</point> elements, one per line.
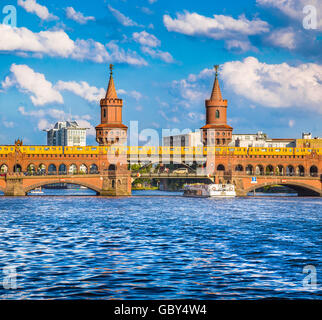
<point>105,168</point>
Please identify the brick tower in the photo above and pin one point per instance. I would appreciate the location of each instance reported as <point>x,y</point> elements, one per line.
<point>216,131</point>
<point>111,130</point>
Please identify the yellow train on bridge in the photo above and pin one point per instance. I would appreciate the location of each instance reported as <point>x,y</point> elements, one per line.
<point>159,150</point>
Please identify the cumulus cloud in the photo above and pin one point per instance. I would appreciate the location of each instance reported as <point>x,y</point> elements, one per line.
<point>44,124</point>
<point>294,8</point>
<point>148,43</point>
<point>58,44</point>
<point>42,92</point>
<point>134,94</point>
<point>218,27</point>
<point>277,86</point>
<point>240,45</point>
<point>158,54</point>
<point>82,89</point>
<point>78,16</point>
<point>33,7</point>
<point>8,124</point>
<point>47,118</point>
<point>122,56</point>
<point>33,83</point>
<point>262,84</point>
<point>285,38</point>
<point>146,39</point>
<point>122,19</point>
<point>192,90</point>
<point>53,43</point>
<point>33,113</point>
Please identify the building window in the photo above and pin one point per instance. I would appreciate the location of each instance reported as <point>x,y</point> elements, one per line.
<point>217,114</point>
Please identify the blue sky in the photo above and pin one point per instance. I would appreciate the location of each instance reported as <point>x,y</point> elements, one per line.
<point>55,63</point>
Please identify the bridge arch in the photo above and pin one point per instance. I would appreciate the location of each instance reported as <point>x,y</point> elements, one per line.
<point>52,169</point>
<point>239,168</point>
<point>17,168</point>
<point>83,168</point>
<point>77,182</point>
<point>112,167</point>
<point>314,171</point>
<point>280,170</point>
<point>259,170</point>
<point>31,168</point>
<point>3,168</point>
<point>220,167</point>
<point>42,167</point>
<point>62,169</point>
<point>72,169</point>
<point>290,170</point>
<point>249,169</point>
<point>302,189</point>
<point>269,170</point>
<point>300,171</point>
<point>93,168</point>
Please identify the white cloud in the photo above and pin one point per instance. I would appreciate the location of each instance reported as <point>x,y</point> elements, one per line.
<point>291,123</point>
<point>218,27</point>
<point>78,16</point>
<point>86,124</point>
<point>146,39</point>
<point>53,43</point>
<point>134,94</point>
<point>43,124</point>
<point>152,1</point>
<point>139,108</point>
<point>122,19</point>
<point>82,89</point>
<point>278,86</point>
<point>57,115</point>
<point>42,91</point>
<point>34,113</point>
<point>147,10</point>
<point>120,55</point>
<point>294,8</point>
<point>285,38</point>
<point>33,7</point>
<point>58,44</point>
<point>158,54</point>
<point>240,45</point>
<point>194,89</point>
<point>149,42</point>
<point>33,83</point>
<point>168,118</point>
<point>8,124</point>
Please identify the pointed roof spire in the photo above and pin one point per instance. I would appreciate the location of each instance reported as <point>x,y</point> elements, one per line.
<point>216,93</point>
<point>111,92</point>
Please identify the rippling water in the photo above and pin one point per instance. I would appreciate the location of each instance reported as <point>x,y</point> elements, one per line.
<point>156,247</point>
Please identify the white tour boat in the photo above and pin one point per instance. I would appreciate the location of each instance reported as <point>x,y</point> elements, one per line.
<point>209,190</point>
<point>37,191</point>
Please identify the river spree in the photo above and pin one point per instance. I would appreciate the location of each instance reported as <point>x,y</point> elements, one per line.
<point>154,246</point>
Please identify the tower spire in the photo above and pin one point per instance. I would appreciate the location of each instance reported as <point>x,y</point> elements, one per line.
<point>216,93</point>
<point>111,92</point>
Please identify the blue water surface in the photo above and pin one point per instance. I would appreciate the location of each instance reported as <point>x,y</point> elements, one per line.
<point>158,245</point>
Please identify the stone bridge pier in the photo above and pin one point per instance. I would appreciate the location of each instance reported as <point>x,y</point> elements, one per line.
<point>114,183</point>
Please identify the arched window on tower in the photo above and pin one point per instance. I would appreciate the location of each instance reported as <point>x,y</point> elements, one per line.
<point>104,113</point>
<point>217,114</point>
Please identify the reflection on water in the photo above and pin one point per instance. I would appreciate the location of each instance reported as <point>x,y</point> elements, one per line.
<point>159,247</point>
